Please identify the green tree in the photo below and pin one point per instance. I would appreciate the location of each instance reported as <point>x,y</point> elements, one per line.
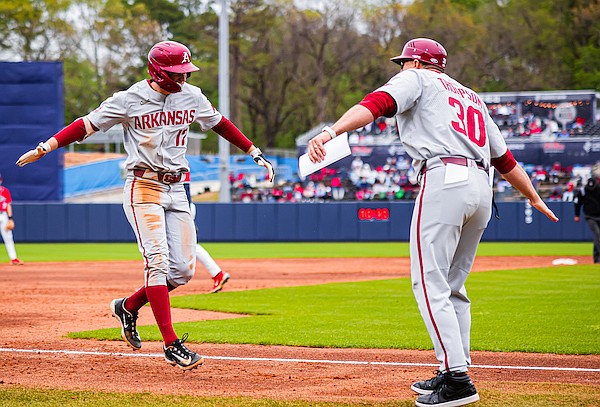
<point>113,44</point>
<point>299,68</point>
<point>586,25</point>
<point>293,67</point>
<point>79,77</point>
<point>32,29</point>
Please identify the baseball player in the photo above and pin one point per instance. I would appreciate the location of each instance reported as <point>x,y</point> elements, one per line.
<point>219,277</point>
<point>156,115</point>
<point>7,224</point>
<point>447,130</point>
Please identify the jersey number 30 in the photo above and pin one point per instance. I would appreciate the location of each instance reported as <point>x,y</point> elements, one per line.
<point>470,124</point>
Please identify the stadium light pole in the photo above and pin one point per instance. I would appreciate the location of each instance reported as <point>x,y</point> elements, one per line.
<point>225,190</point>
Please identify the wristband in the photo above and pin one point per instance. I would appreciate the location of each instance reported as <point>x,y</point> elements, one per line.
<point>10,217</point>
<point>45,146</point>
<point>255,153</point>
<point>330,131</point>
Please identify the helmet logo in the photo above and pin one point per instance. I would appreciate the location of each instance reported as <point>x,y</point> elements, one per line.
<point>186,58</point>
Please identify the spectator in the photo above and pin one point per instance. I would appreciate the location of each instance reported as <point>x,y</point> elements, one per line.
<point>308,194</point>
<point>568,195</point>
<point>247,195</point>
<point>381,123</point>
<point>588,198</point>
<point>556,194</point>
<point>379,191</point>
<point>534,128</point>
<point>322,192</point>
<point>337,189</point>
<point>357,164</point>
<point>297,192</point>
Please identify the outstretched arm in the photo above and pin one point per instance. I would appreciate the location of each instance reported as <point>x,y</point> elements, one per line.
<point>75,131</point>
<point>374,105</point>
<point>511,171</point>
<point>357,116</point>
<point>519,179</point>
<point>226,129</point>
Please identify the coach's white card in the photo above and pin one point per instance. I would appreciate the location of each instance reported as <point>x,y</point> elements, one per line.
<point>456,173</point>
<point>335,150</point>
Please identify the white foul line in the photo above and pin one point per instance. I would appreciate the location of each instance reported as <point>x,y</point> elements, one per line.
<point>291,360</point>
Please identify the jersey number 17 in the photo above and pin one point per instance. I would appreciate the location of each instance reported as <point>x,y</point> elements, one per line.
<point>181,136</point>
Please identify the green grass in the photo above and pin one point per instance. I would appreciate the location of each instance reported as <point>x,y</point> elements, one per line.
<point>528,394</point>
<point>553,310</point>
<point>32,252</point>
<point>57,398</point>
<point>536,310</point>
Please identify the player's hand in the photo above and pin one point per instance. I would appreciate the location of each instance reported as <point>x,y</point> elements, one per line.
<point>316,150</point>
<point>32,155</point>
<point>576,218</point>
<point>10,225</point>
<point>260,159</point>
<point>543,208</point>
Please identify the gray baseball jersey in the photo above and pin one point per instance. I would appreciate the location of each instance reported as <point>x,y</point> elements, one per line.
<point>155,137</point>
<point>447,130</point>
<point>431,106</point>
<point>155,125</point>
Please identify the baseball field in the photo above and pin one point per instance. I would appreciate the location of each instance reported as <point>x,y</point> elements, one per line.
<point>309,324</point>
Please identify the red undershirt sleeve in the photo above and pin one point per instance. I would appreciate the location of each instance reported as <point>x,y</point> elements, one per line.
<point>72,133</point>
<point>231,133</point>
<point>380,104</point>
<point>504,163</point>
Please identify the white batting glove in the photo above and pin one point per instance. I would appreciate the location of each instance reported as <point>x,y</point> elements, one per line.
<point>260,159</point>
<point>33,155</point>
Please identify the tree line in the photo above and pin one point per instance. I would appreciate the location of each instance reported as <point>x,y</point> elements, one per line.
<point>293,66</point>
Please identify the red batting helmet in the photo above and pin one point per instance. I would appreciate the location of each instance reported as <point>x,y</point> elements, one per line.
<point>169,56</point>
<point>425,50</point>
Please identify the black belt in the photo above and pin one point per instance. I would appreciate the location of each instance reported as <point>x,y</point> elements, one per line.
<point>164,177</point>
<point>462,161</point>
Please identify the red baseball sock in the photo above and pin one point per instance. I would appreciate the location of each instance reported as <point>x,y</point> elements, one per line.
<point>136,300</point>
<point>158,296</point>
<point>139,298</point>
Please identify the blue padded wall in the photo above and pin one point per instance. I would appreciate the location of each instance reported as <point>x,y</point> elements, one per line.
<point>235,222</point>
<point>31,110</point>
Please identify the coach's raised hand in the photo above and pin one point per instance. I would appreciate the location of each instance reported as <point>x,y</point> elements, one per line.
<point>33,155</point>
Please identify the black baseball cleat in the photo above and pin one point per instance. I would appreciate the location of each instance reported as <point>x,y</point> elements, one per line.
<point>428,386</point>
<point>128,320</point>
<point>177,354</point>
<point>454,390</point>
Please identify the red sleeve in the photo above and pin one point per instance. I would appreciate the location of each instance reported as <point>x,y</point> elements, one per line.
<point>505,163</point>
<point>72,133</point>
<point>380,104</point>
<point>229,132</point>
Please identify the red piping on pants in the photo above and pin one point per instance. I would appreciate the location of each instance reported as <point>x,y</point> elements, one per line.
<point>423,271</point>
<point>137,229</point>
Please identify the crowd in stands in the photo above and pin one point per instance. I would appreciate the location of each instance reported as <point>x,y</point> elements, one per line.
<point>544,126</point>
<point>393,181</point>
<point>553,183</point>
<point>396,179</point>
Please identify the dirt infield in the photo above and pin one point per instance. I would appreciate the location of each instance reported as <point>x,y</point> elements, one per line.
<point>42,302</point>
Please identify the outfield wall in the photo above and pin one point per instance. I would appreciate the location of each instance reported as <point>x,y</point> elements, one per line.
<point>31,110</point>
<point>238,222</point>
